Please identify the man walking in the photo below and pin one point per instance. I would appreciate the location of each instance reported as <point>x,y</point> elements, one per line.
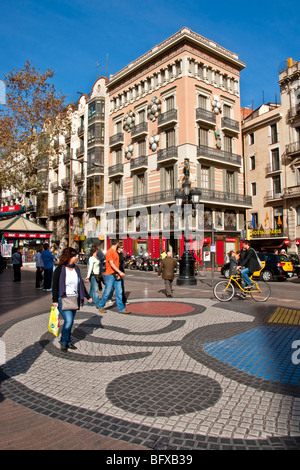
<point>17,264</point>
<point>167,270</point>
<point>113,276</point>
<point>48,261</point>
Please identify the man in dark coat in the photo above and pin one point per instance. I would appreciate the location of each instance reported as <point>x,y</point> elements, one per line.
<point>166,269</point>
<point>248,264</point>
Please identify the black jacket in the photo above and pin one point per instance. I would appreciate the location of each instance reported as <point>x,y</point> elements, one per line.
<point>55,285</point>
<point>250,261</point>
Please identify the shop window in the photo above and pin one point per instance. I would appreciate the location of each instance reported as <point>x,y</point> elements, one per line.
<point>230,220</point>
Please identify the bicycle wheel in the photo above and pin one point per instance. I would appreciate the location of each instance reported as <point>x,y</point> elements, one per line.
<point>223,291</point>
<point>261,291</point>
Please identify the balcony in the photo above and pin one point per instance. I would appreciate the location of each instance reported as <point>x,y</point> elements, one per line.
<point>168,118</point>
<point>168,155</point>
<point>230,125</point>
<point>95,140</point>
<point>54,186</point>
<point>116,170</point>
<point>271,196</point>
<point>208,195</point>
<point>139,130</point>
<point>80,152</point>
<point>116,140</point>
<point>293,191</point>
<point>65,183</point>
<point>225,197</point>
<point>273,168</point>
<point>79,177</point>
<point>95,169</point>
<point>210,153</point>
<point>58,210</point>
<point>139,163</point>
<point>205,116</point>
<point>294,113</point>
<point>68,137</point>
<point>293,150</point>
<point>67,157</point>
<point>80,130</point>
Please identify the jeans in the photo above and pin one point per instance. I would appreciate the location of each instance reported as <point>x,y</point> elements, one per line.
<point>110,284</point>
<point>68,316</point>
<point>124,299</point>
<point>245,276</point>
<point>17,272</point>
<point>94,291</point>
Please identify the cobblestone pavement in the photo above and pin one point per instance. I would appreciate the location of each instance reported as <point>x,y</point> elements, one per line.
<point>185,373</point>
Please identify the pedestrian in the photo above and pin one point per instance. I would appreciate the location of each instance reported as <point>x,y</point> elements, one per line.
<point>68,286</point>
<point>101,258</point>
<point>120,250</point>
<point>248,264</point>
<point>39,268</point>
<point>167,271</point>
<point>48,260</point>
<point>227,258</point>
<point>93,275</point>
<point>113,277</point>
<point>17,264</point>
<point>163,255</point>
<point>233,260</point>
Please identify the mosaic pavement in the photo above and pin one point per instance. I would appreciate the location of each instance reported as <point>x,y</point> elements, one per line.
<point>175,374</point>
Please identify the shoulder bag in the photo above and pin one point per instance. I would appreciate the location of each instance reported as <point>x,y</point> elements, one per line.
<point>70,302</point>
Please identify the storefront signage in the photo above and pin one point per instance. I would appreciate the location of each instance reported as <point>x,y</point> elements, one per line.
<point>26,235</point>
<point>79,238</point>
<point>9,209</point>
<point>232,240</point>
<point>259,233</point>
<point>298,242</point>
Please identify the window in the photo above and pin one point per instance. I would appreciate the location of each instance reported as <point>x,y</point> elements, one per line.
<point>169,177</point>
<point>95,191</point>
<point>203,136</point>
<point>141,148</point>
<point>141,116</point>
<point>226,110</point>
<point>252,162</point>
<point>227,143</point>
<point>297,170</point>
<point>170,103</point>
<point>205,177</point>
<point>275,159</point>
<point>230,182</point>
<point>274,135</point>
<point>202,102</point>
<point>170,138</point>
<point>95,156</point>
<point>97,109</point>
<point>251,138</point>
<point>116,189</point>
<point>118,156</point>
<point>276,185</point>
<point>253,189</point>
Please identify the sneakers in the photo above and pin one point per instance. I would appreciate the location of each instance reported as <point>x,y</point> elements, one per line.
<point>249,287</point>
<point>109,303</point>
<point>125,311</point>
<point>102,310</point>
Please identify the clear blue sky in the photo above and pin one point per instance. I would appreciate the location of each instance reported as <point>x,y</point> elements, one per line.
<point>71,36</point>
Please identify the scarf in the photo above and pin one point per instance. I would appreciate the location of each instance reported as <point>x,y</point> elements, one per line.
<point>62,282</point>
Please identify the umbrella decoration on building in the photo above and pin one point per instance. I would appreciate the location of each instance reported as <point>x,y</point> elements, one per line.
<point>154,141</point>
<point>154,109</point>
<point>128,121</point>
<point>216,105</point>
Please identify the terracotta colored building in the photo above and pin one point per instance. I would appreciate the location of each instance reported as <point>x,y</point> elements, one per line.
<point>180,100</point>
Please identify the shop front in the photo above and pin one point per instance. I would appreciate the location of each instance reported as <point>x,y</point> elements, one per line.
<point>19,232</point>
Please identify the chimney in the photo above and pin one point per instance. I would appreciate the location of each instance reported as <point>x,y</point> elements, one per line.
<point>290,62</point>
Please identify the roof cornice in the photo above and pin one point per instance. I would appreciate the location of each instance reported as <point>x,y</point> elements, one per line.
<point>184,33</point>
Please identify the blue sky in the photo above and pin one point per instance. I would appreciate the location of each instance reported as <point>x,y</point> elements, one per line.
<point>71,36</point>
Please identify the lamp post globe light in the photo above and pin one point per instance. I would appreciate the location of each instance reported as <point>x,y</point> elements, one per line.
<point>184,196</point>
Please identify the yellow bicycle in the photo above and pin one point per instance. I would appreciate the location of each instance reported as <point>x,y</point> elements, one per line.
<point>225,290</point>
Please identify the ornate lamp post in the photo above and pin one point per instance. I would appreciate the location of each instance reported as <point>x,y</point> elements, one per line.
<point>184,196</point>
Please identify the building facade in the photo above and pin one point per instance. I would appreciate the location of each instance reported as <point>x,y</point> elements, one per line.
<point>271,136</point>
<point>179,101</point>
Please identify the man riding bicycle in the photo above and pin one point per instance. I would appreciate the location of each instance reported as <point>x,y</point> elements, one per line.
<point>248,265</point>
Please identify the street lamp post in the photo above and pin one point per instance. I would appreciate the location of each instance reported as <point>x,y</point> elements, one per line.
<point>185,196</point>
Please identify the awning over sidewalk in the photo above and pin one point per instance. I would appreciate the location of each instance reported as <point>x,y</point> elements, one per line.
<point>20,227</point>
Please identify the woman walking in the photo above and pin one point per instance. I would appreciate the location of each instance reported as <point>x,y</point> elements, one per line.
<point>93,275</point>
<point>68,288</point>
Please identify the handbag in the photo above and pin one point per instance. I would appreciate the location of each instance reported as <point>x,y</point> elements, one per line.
<point>96,276</point>
<point>70,302</point>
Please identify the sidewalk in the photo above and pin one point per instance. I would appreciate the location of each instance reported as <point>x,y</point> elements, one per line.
<point>186,373</point>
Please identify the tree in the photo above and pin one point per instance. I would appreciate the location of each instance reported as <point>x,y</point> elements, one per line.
<point>30,121</point>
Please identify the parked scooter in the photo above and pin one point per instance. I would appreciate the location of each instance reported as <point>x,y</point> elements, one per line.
<point>147,264</point>
<point>157,262</point>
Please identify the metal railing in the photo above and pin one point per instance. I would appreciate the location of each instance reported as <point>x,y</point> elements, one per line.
<point>220,155</point>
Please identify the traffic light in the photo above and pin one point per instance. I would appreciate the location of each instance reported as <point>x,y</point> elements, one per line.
<point>249,234</point>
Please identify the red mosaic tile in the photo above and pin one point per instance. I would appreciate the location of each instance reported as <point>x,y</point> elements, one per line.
<point>163,309</point>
